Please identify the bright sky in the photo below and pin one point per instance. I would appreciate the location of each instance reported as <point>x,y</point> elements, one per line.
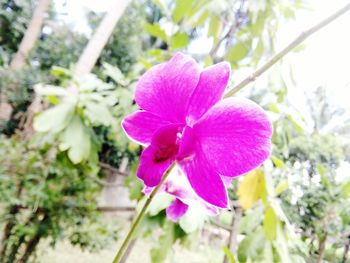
<point>74,12</point>
<point>325,61</point>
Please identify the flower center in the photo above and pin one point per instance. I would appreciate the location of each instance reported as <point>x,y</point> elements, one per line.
<point>173,141</point>
<point>165,152</point>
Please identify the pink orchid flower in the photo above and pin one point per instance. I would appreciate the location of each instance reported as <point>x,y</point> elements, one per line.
<point>185,120</point>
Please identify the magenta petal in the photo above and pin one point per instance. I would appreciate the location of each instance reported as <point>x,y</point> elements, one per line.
<point>141,125</point>
<point>166,89</point>
<point>205,181</point>
<point>176,210</point>
<point>235,136</point>
<point>159,155</point>
<point>210,89</point>
<point>149,170</point>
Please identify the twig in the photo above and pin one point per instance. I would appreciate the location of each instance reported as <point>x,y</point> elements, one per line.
<point>116,209</point>
<point>232,241</point>
<point>304,35</point>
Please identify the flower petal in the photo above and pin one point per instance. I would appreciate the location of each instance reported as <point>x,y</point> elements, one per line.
<point>150,171</point>
<point>159,155</point>
<point>176,210</point>
<point>141,125</point>
<point>166,89</point>
<point>235,136</point>
<point>205,181</point>
<point>210,89</point>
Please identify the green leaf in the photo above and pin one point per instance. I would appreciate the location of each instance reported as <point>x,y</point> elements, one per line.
<point>76,139</point>
<point>259,50</point>
<point>156,31</point>
<point>160,253</point>
<point>268,253</point>
<point>322,171</point>
<point>270,224</point>
<point>181,9</point>
<point>281,187</point>
<point>238,52</point>
<point>229,255</point>
<point>251,220</point>
<point>251,245</point>
<point>179,40</point>
<point>48,90</point>
<point>345,189</point>
<point>281,245</point>
<point>162,6</point>
<point>214,27</point>
<point>60,72</point>
<point>98,114</point>
<point>115,73</point>
<point>258,25</point>
<point>54,119</point>
<point>277,162</point>
<point>201,19</point>
<point>251,188</point>
<point>159,203</point>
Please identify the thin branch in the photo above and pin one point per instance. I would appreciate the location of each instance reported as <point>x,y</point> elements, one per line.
<point>116,209</point>
<point>304,35</point>
<point>232,241</point>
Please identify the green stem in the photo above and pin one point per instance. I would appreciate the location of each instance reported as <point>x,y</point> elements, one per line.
<point>139,218</point>
<point>287,49</point>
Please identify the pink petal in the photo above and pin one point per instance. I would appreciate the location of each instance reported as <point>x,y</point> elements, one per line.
<point>210,89</point>
<point>159,155</point>
<point>235,136</point>
<point>150,171</point>
<point>176,210</point>
<point>205,181</point>
<point>141,125</point>
<point>166,89</point>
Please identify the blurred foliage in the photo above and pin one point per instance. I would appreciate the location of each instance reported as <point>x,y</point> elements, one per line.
<point>18,88</point>
<point>46,196</point>
<point>293,207</point>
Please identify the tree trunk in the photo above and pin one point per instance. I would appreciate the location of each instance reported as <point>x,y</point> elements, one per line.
<point>232,241</point>
<point>7,230</point>
<point>13,251</point>
<point>346,251</point>
<point>27,43</point>
<point>96,44</point>
<point>322,248</point>
<point>30,36</point>
<point>33,242</point>
<point>11,222</point>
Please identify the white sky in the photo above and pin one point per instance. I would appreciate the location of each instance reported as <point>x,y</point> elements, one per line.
<point>325,61</point>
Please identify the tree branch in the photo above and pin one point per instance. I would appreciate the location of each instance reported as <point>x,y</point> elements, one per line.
<point>304,35</point>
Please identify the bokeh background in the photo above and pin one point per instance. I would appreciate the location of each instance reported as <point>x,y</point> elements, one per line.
<point>68,189</point>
